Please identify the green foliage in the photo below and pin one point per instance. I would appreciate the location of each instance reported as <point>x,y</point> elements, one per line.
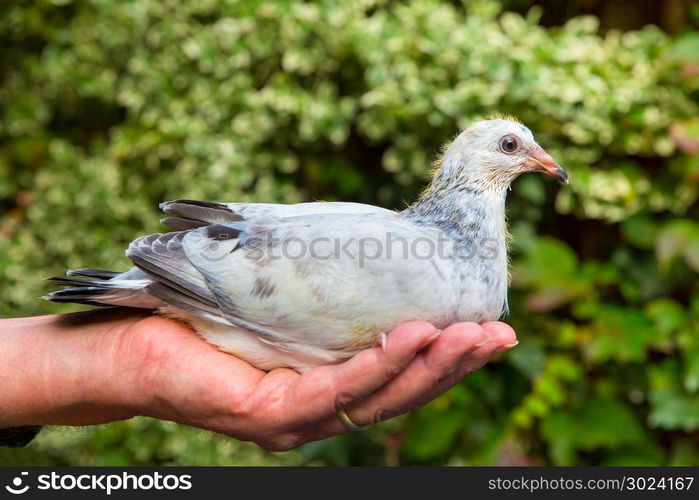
<point>597,423</point>
<point>110,107</point>
<point>140,441</point>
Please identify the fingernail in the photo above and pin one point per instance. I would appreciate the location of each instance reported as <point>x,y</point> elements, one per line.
<point>383,341</point>
<point>429,339</point>
<point>506,347</point>
<point>483,342</point>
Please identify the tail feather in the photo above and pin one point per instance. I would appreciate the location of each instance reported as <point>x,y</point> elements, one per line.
<point>107,289</point>
<point>75,282</point>
<point>93,273</point>
<point>79,295</point>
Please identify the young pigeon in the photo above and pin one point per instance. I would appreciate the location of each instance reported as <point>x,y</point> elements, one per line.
<point>310,284</point>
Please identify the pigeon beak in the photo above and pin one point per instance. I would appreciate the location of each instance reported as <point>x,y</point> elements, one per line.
<point>540,161</point>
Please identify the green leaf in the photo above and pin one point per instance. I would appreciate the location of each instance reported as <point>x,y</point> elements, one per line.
<point>640,230</point>
<point>621,334</point>
<point>671,407</point>
<point>433,434</point>
<point>691,371</point>
<point>550,269</point>
<point>598,424</point>
<point>667,315</point>
<point>685,48</point>
<point>676,238</point>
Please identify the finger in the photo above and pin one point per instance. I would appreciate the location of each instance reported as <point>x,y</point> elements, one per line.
<point>502,334</point>
<point>325,390</point>
<point>499,337</point>
<point>460,349</point>
<point>428,369</point>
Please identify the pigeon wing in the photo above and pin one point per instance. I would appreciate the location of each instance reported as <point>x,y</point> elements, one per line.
<point>175,280</point>
<point>328,278</point>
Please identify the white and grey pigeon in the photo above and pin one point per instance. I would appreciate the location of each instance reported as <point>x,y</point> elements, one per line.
<point>311,284</point>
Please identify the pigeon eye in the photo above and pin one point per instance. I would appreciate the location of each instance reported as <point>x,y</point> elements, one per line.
<point>509,144</point>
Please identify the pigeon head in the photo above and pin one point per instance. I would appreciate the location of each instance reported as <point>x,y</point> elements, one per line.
<point>490,154</point>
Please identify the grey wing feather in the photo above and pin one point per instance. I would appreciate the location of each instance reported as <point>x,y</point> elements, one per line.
<point>177,281</point>
<point>190,214</point>
<point>179,224</point>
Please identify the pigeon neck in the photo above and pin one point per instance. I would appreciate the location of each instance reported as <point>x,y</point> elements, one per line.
<point>463,212</point>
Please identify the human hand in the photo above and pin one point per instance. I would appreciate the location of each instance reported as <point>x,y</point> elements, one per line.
<point>156,367</point>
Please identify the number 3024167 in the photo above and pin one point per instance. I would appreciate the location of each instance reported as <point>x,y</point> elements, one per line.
<point>659,483</point>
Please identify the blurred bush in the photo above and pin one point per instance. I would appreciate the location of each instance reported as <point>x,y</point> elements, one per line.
<point>110,107</point>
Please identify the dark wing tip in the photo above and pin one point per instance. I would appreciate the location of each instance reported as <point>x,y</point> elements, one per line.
<point>197,203</point>
<point>205,212</point>
<point>180,224</point>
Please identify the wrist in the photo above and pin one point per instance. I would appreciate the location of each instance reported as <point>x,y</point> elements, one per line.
<point>66,370</point>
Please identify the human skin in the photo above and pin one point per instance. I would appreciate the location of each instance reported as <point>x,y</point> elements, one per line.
<point>103,366</point>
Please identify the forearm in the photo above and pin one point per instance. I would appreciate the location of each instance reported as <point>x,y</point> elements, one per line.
<point>54,372</point>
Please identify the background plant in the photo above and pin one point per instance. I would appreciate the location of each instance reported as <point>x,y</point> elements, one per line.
<point>110,107</point>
